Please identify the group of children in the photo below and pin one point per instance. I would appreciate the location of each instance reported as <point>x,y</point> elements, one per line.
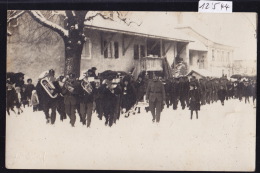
<point>21,95</point>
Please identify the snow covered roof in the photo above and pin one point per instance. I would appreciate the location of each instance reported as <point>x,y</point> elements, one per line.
<point>206,34</point>
<point>161,32</point>
<point>197,45</point>
<point>204,73</point>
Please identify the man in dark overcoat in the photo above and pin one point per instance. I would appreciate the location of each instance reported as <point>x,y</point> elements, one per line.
<point>46,102</point>
<point>175,92</point>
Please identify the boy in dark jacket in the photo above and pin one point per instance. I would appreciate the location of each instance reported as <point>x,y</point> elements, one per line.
<point>194,97</point>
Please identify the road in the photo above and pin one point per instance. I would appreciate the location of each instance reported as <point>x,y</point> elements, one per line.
<point>222,139</point>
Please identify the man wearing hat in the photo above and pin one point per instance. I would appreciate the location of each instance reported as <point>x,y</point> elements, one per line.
<point>155,95</point>
<point>86,99</point>
<point>70,91</point>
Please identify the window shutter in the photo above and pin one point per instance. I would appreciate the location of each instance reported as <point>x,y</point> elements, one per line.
<point>136,51</point>
<point>116,52</point>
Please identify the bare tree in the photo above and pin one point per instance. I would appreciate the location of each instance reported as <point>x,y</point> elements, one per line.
<point>72,32</point>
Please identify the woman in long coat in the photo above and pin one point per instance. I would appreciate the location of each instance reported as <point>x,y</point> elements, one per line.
<point>140,90</point>
<point>128,96</point>
<point>194,98</point>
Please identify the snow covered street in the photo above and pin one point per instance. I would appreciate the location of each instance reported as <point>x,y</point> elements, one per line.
<point>222,139</point>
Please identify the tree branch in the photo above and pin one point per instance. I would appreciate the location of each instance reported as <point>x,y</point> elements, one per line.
<point>15,16</point>
<point>124,19</point>
<point>98,14</point>
<point>38,16</point>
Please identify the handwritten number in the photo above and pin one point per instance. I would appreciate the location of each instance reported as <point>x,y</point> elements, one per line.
<point>202,6</point>
<point>207,7</point>
<point>214,7</point>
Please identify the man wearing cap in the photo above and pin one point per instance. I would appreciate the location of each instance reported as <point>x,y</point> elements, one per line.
<point>46,102</point>
<point>70,91</point>
<point>86,99</point>
<point>94,69</point>
<point>155,95</point>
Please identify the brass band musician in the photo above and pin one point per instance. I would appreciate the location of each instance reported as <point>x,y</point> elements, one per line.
<point>86,99</point>
<point>70,91</point>
<point>47,93</point>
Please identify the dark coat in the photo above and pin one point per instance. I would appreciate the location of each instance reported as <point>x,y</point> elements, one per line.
<point>128,96</point>
<point>184,89</point>
<point>248,90</point>
<point>109,101</point>
<point>194,98</point>
<point>175,90</point>
<point>29,89</point>
<point>85,97</point>
<point>222,93</point>
<point>209,86</point>
<point>10,97</point>
<point>140,89</point>
<point>43,96</point>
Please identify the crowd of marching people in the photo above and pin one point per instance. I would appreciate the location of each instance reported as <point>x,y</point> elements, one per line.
<point>114,95</point>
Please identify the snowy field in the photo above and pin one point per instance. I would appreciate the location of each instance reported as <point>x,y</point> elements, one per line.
<point>223,138</point>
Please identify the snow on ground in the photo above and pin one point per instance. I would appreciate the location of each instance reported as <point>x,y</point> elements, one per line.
<point>223,138</point>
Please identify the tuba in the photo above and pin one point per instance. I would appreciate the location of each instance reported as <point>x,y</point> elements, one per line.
<point>48,87</point>
<point>87,87</point>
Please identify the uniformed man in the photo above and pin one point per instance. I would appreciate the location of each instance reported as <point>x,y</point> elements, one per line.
<point>70,91</point>
<point>86,99</point>
<point>155,95</point>
<point>46,101</point>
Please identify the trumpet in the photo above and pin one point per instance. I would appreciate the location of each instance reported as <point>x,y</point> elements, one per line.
<point>87,86</point>
<point>48,87</point>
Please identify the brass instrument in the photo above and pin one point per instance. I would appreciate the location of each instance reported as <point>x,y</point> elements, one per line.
<point>68,86</point>
<point>87,86</point>
<point>48,87</point>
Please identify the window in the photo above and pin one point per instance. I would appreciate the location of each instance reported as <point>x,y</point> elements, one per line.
<point>139,51</point>
<point>111,49</point>
<point>116,52</point>
<point>136,51</point>
<point>86,51</point>
<point>142,49</point>
<point>107,51</point>
<point>213,55</point>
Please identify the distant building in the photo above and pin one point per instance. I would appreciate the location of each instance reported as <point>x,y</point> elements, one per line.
<point>244,67</point>
<point>207,54</point>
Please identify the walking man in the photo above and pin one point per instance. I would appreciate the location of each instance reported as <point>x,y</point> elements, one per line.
<point>155,94</point>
